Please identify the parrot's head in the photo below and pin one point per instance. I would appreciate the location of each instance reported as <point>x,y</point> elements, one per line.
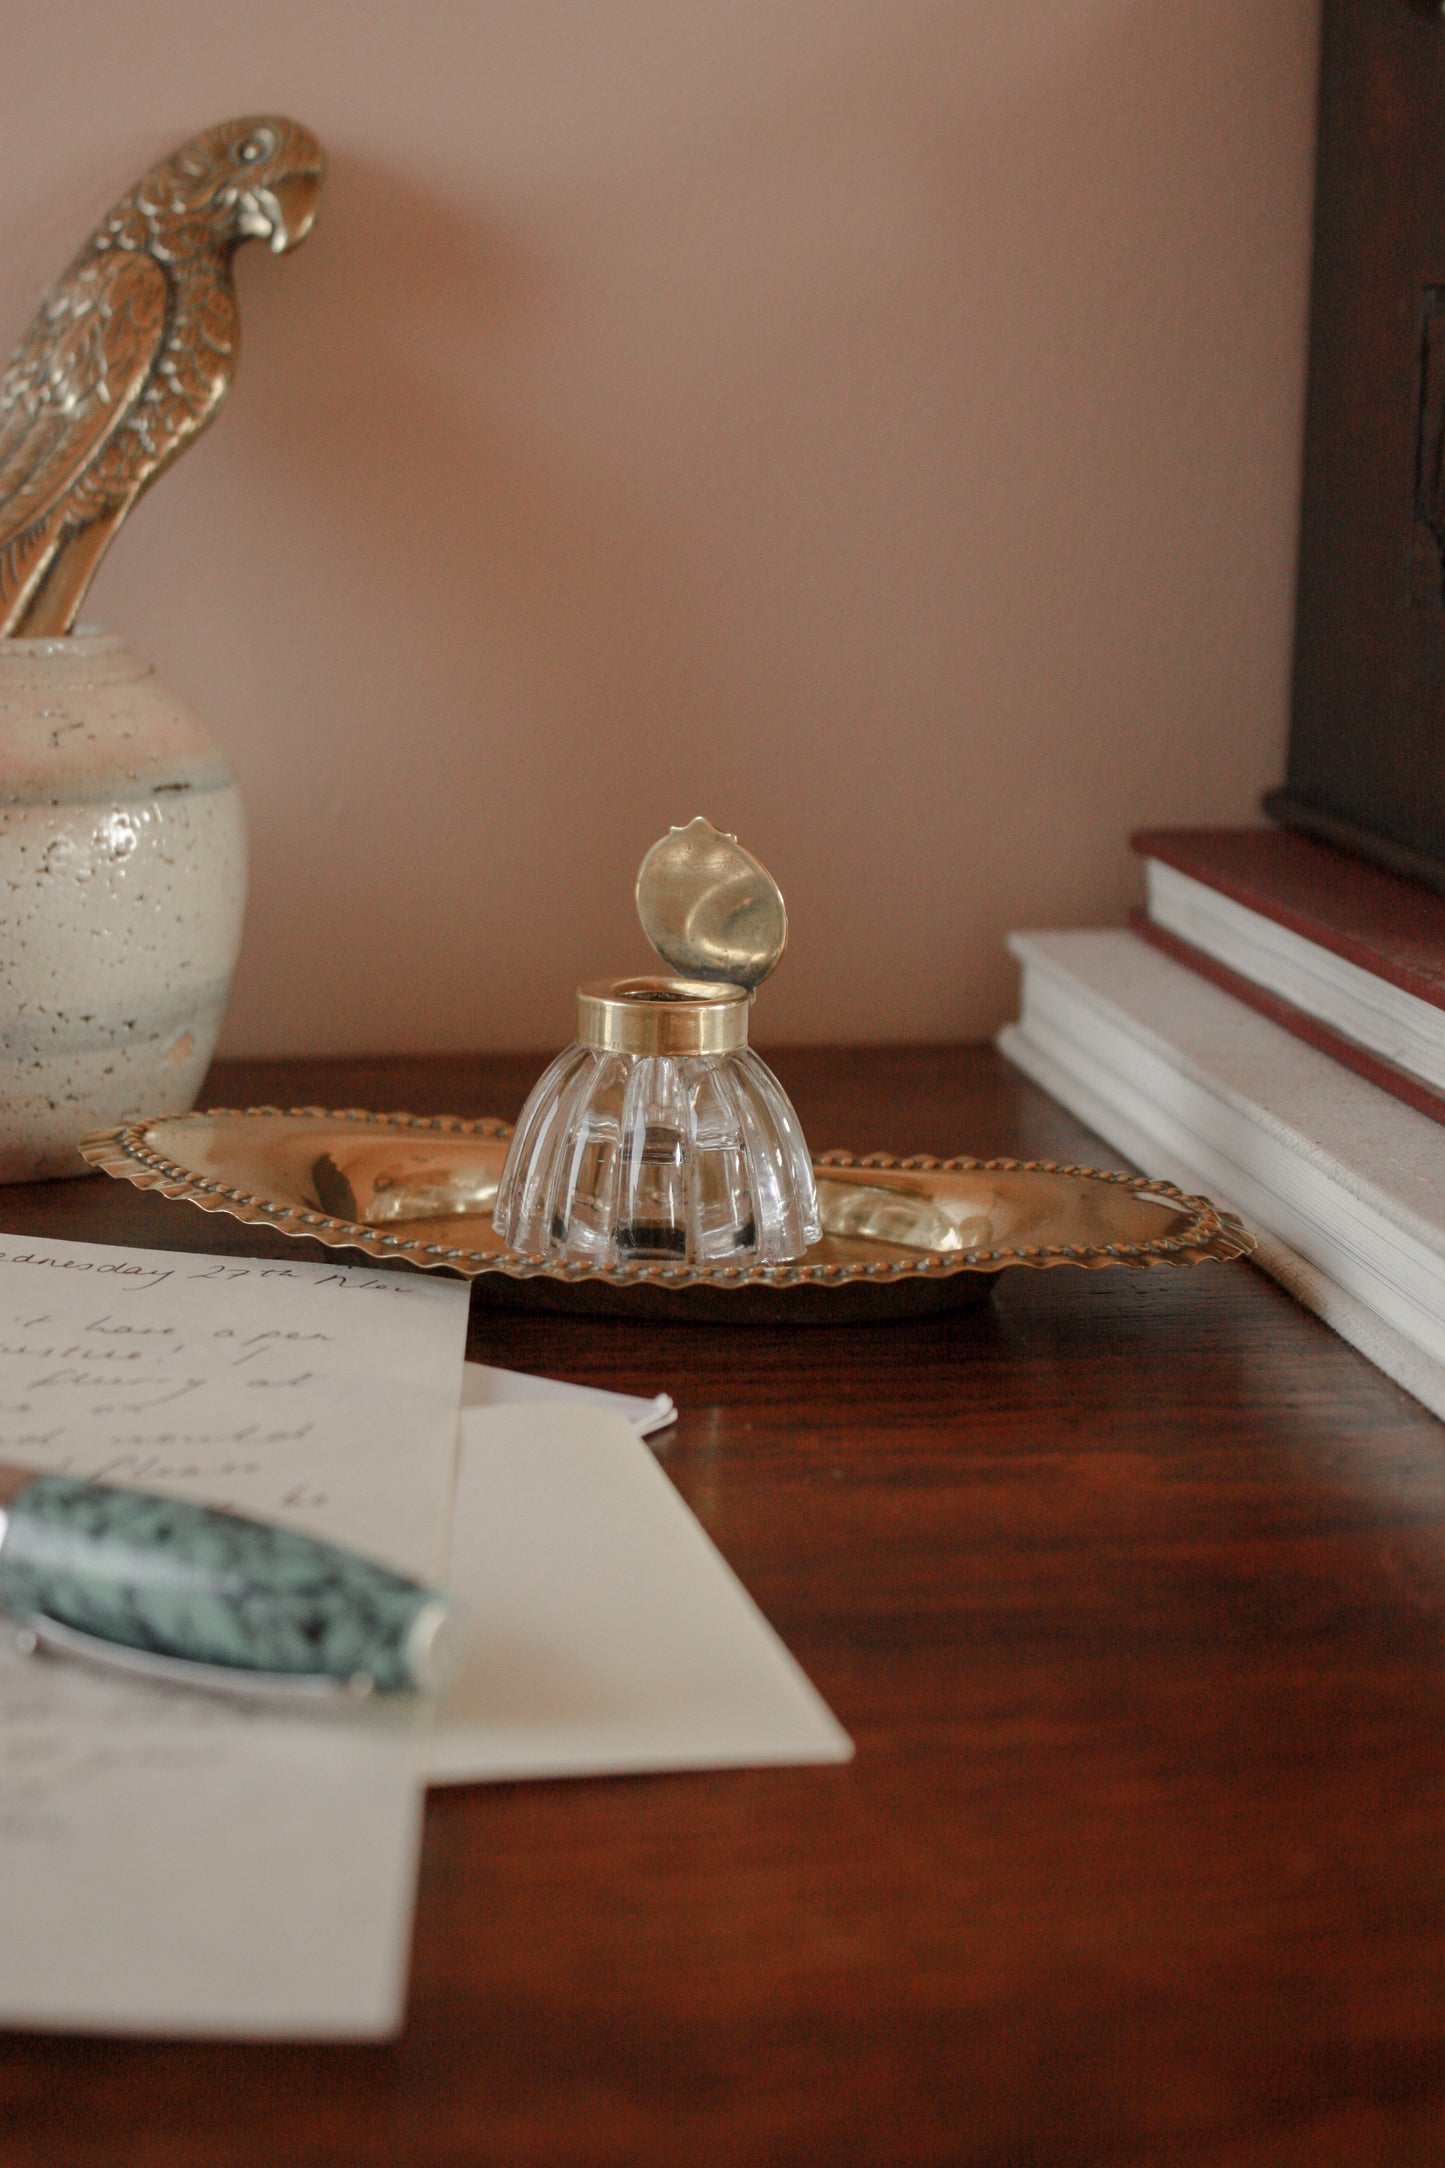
<point>272,179</point>
<point>254,179</point>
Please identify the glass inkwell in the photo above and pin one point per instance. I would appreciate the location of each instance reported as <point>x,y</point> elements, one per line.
<point>658,1136</point>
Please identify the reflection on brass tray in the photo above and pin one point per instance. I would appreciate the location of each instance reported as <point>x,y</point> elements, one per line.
<point>900,1237</point>
<point>384,1186</point>
<point>903,1217</point>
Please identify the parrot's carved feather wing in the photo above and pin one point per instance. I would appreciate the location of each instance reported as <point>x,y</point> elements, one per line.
<point>75,376</point>
<point>132,352</point>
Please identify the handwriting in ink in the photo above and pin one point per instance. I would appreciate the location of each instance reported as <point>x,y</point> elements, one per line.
<point>188,1440</point>
<point>120,1268</point>
<point>129,1329</point>
<point>253,1343</point>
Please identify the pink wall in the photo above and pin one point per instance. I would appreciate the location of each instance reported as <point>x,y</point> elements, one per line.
<point>873,423</point>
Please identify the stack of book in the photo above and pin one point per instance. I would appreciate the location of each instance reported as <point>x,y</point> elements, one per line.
<point>1272,1031</point>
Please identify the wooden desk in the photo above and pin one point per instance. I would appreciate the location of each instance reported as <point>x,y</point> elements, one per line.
<point>1131,1589</point>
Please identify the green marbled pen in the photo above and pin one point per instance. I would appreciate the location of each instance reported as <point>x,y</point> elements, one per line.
<point>194,1596</point>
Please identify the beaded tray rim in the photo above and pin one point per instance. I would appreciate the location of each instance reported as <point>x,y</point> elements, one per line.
<point>125,1152</point>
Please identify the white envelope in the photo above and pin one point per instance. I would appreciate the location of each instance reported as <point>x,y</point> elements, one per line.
<point>604,1633</point>
<point>484,1387</point>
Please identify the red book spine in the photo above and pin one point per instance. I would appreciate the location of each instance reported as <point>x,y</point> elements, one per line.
<point>1348,1052</point>
<point>1391,928</point>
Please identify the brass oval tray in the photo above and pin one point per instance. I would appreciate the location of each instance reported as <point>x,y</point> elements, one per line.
<point>901,1236</point>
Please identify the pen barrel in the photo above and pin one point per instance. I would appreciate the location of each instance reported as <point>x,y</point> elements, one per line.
<point>188,1581</point>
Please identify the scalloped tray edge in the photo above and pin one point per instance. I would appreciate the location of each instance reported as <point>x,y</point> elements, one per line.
<point>123,1152</point>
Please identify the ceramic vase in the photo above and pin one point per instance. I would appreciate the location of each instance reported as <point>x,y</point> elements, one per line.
<point>122,887</point>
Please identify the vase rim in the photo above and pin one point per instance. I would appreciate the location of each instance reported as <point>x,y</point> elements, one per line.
<point>85,640</point>
<point>88,656</point>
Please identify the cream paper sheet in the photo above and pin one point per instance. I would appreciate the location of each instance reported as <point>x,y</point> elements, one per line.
<point>604,1633</point>
<point>169,1863</point>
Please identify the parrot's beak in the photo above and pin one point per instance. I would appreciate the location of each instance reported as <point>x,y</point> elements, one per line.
<point>294,200</point>
<point>281,216</point>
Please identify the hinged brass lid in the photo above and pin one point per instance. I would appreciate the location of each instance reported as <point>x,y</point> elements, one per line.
<point>709,909</point>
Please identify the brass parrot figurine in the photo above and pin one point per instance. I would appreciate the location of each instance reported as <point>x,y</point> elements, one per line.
<point>131,353</point>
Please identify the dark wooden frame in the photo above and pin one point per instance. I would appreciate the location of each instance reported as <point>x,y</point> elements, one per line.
<point>1366,764</point>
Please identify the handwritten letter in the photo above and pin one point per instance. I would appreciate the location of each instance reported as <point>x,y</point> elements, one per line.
<point>170,1863</point>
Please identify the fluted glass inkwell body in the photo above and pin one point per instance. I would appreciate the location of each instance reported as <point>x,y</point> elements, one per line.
<point>658,1136</point>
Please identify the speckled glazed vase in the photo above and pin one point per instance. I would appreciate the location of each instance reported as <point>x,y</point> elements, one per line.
<point>122,885</point>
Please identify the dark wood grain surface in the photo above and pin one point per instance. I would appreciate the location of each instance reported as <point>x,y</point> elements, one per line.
<point>1130,1588</point>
